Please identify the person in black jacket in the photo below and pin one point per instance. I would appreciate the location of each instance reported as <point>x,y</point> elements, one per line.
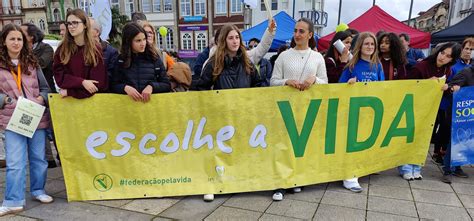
<point>139,71</point>
<point>230,67</point>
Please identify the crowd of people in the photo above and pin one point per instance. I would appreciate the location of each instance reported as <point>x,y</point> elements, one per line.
<point>84,65</point>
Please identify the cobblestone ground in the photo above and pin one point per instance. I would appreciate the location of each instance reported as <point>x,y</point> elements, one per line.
<point>386,196</point>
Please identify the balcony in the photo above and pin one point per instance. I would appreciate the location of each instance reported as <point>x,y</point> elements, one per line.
<point>11,11</point>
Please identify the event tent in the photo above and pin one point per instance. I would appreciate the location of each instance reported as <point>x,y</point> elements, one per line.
<point>376,19</point>
<point>285,26</point>
<point>456,32</point>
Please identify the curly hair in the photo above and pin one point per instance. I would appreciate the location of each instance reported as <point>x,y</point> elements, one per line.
<point>26,58</point>
<point>397,52</point>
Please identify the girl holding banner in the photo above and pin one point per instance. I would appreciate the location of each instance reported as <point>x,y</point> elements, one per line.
<point>139,71</point>
<point>78,66</point>
<point>363,67</point>
<point>299,67</point>
<point>22,79</point>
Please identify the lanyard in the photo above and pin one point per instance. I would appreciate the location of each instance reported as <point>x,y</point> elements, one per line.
<point>17,77</point>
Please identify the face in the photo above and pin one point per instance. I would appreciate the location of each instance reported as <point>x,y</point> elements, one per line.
<point>301,33</point>
<point>466,51</point>
<point>139,43</point>
<point>150,35</point>
<point>406,44</point>
<point>75,26</point>
<point>62,30</point>
<point>95,32</point>
<point>385,45</point>
<point>368,47</point>
<point>24,29</point>
<point>14,42</point>
<point>444,57</point>
<point>348,42</point>
<point>233,41</point>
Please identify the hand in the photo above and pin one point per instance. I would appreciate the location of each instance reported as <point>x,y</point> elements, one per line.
<point>307,83</point>
<point>345,55</point>
<point>40,100</point>
<point>420,59</point>
<point>445,87</point>
<point>433,78</point>
<point>133,93</point>
<point>272,25</point>
<point>455,88</point>
<point>89,85</point>
<point>63,93</point>
<point>146,93</point>
<point>293,83</point>
<point>352,80</point>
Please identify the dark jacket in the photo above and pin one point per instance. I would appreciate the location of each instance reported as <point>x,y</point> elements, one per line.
<point>464,78</point>
<point>110,57</point>
<point>232,76</point>
<point>45,54</point>
<point>399,72</point>
<point>426,69</point>
<point>143,71</point>
<point>201,58</point>
<point>334,69</point>
<point>264,72</point>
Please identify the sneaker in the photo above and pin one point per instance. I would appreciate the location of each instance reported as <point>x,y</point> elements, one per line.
<point>355,189</point>
<point>5,210</point>
<point>277,196</point>
<point>408,177</point>
<point>208,197</point>
<point>460,173</point>
<point>297,190</point>
<point>447,178</point>
<point>43,198</point>
<point>417,176</point>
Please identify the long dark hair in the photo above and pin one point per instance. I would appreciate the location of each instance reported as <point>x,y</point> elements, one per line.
<point>455,53</point>
<point>342,35</point>
<point>129,32</point>
<point>397,52</point>
<point>312,41</point>
<point>26,58</point>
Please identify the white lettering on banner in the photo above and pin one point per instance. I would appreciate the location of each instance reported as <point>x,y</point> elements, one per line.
<point>171,142</point>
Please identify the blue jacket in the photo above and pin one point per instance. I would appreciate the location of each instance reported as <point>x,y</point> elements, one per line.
<point>110,57</point>
<point>457,67</point>
<point>265,72</point>
<point>201,58</point>
<point>413,55</point>
<point>363,72</point>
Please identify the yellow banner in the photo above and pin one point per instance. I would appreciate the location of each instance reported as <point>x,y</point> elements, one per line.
<point>240,140</point>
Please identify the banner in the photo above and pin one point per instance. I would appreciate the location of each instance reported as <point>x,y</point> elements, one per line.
<point>462,129</point>
<point>240,140</point>
<point>102,14</point>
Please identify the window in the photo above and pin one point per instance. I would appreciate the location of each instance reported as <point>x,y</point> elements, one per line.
<point>221,7</point>
<point>85,5</point>
<point>200,7</point>
<point>274,4</point>
<point>114,4</point>
<point>169,39</point>
<point>185,7</point>
<point>201,41</point>
<point>235,6</point>
<point>284,4</point>
<point>168,6</point>
<point>32,21</point>
<point>156,5</point>
<point>129,8</point>
<point>42,24</point>
<point>56,15</point>
<point>146,6</point>
<point>186,41</point>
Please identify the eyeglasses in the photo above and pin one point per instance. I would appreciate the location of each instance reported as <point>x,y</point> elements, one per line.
<point>150,33</point>
<point>73,23</point>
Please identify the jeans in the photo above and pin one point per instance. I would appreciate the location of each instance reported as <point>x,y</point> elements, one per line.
<point>409,169</point>
<point>18,148</point>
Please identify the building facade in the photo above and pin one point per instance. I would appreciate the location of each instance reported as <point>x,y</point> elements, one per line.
<point>56,11</point>
<point>11,12</point>
<point>433,20</point>
<point>162,13</point>
<point>459,10</point>
<point>35,13</point>
<point>312,9</point>
<point>197,20</point>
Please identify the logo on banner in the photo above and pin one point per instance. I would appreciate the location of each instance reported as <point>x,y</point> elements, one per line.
<point>103,182</point>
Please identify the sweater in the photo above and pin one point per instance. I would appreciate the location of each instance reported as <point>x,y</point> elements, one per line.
<point>363,72</point>
<point>70,76</point>
<point>299,65</point>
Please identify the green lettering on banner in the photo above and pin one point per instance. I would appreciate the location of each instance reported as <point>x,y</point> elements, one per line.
<point>331,126</point>
<point>409,131</point>
<point>355,105</point>
<point>299,141</point>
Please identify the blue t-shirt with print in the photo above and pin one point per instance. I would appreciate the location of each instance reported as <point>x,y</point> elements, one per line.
<point>363,72</point>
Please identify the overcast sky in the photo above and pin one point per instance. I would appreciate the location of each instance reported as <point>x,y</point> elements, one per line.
<point>352,9</point>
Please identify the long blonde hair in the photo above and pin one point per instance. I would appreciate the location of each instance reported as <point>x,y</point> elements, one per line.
<point>68,47</point>
<point>221,51</point>
<point>374,58</point>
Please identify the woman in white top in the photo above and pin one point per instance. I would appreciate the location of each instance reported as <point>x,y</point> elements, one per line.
<point>299,67</point>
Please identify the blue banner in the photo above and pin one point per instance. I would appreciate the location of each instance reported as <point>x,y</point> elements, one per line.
<point>462,130</point>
